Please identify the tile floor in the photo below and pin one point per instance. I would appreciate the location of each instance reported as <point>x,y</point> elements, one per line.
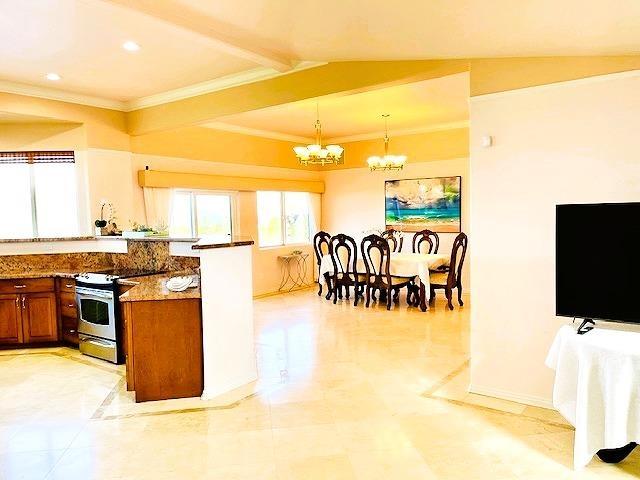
<point>344,393</point>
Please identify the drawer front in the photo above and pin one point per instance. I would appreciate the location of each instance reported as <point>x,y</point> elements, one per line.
<point>27,285</point>
<point>69,323</point>
<point>67,285</point>
<point>68,305</point>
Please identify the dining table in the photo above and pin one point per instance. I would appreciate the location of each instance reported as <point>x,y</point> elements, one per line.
<point>401,264</point>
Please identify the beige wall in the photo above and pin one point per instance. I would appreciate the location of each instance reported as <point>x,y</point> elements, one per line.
<point>568,143</point>
<point>42,136</point>
<point>421,147</point>
<point>353,201</point>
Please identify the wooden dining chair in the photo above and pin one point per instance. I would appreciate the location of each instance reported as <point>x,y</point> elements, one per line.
<point>394,238</point>
<point>344,256</point>
<point>425,238</point>
<point>376,254</point>
<point>452,278</point>
<point>321,248</point>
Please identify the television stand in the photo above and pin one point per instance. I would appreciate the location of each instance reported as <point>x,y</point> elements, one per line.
<point>586,326</point>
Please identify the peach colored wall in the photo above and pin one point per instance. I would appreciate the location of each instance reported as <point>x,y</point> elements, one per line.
<point>354,199</point>
<point>567,143</point>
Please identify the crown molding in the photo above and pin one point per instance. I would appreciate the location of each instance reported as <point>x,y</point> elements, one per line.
<point>562,84</point>
<point>399,133</point>
<point>254,132</point>
<point>234,80</point>
<point>242,78</point>
<point>60,95</point>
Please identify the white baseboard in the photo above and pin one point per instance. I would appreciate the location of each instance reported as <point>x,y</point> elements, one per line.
<point>511,396</point>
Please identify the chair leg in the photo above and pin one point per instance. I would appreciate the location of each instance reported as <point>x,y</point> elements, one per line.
<point>460,294</point>
<point>373,295</point>
<point>368,296</point>
<point>336,287</point>
<point>355,294</point>
<point>347,289</point>
<point>389,298</point>
<point>396,296</point>
<point>319,288</point>
<point>449,294</point>
<point>432,295</point>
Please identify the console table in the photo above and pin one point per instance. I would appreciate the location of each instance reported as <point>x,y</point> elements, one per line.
<point>597,389</point>
<point>294,271</point>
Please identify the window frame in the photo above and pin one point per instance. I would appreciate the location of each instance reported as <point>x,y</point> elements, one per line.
<point>233,206</point>
<point>283,222</point>
<point>33,195</point>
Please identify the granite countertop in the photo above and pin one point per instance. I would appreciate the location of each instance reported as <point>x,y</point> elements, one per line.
<point>153,287</point>
<point>57,273</point>
<point>205,244</point>
<point>103,237</point>
<point>37,240</point>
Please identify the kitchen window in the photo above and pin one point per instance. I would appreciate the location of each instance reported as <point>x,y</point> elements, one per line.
<point>283,218</point>
<point>38,194</point>
<point>197,214</point>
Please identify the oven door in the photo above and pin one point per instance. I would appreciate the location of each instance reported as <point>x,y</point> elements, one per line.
<point>96,312</point>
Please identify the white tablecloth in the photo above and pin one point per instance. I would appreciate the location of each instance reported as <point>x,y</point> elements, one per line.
<point>402,264</point>
<point>597,388</point>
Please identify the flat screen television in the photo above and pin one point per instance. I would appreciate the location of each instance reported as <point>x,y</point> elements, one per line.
<point>598,261</point>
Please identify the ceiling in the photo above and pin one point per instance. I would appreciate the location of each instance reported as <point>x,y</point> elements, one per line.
<point>417,29</point>
<point>422,105</point>
<point>186,42</point>
<point>81,41</point>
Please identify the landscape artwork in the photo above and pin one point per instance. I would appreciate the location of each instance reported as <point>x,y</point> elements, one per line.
<point>423,203</point>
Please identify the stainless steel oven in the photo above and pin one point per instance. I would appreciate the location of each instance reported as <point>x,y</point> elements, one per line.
<point>97,322</point>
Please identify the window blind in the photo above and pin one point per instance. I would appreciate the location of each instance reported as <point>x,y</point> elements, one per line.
<point>37,157</point>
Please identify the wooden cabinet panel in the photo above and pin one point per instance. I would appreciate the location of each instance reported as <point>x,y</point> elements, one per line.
<point>165,348</point>
<point>68,305</point>
<point>67,285</point>
<point>10,324</point>
<point>39,320</point>
<point>27,285</point>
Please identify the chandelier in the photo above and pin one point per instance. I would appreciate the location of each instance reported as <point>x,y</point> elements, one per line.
<point>316,154</point>
<point>387,162</point>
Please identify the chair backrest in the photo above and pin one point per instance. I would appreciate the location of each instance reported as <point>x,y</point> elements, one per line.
<point>321,245</point>
<point>376,254</point>
<point>344,255</point>
<point>458,252</point>
<point>394,238</point>
<point>428,238</point>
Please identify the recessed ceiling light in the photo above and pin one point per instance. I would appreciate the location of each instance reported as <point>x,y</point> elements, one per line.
<point>53,76</point>
<point>131,46</point>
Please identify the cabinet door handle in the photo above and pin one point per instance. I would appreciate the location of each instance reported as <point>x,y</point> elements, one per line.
<point>17,302</point>
<point>69,285</point>
<point>19,286</point>
<point>23,300</point>
<point>70,305</point>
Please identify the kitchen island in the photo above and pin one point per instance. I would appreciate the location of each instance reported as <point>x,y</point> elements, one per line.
<point>163,336</point>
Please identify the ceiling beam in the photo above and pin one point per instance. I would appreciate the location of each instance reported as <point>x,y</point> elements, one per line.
<point>339,78</point>
<point>226,41</point>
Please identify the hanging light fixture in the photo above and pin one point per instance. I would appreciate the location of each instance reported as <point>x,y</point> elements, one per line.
<point>387,162</point>
<point>316,154</point>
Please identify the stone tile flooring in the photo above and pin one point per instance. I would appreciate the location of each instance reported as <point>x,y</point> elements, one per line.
<point>344,393</point>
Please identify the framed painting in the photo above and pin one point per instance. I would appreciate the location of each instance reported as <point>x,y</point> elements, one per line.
<point>423,203</point>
